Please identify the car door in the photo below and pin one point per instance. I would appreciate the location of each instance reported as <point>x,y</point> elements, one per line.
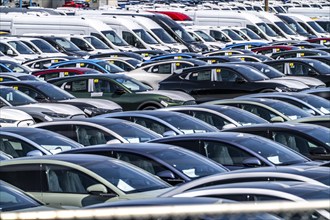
<point>80,88</point>
<point>15,147</point>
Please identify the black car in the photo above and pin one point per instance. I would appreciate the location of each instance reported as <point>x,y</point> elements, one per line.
<point>298,53</point>
<point>324,59</point>
<point>238,150</point>
<point>174,165</point>
<point>309,140</point>
<point>303,67</point>
<point>212,82</point>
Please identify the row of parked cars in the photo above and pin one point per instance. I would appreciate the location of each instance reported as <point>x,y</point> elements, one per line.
<point>152,127</point>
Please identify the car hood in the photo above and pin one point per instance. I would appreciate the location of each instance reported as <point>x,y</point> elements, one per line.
<point>287,83</point>
<point>98,103</point>
<point>14,114</point>
<point>37,209</point>
<point>58,108</point>
<point>310,81</point>
<point>175,95</point>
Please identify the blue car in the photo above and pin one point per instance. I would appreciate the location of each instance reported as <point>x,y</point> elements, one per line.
<point>245,45</point>
<point>175,56</point>
<point>99,65</point>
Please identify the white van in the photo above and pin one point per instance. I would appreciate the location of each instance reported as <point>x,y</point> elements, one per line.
<point>200,35</point>
<point>133,33</point>
<point>309,25</point>
<point>69,25</point>
<point>311,12</point>
<point>90,44</point>
<point>278,25</point>
<point>247,34</point>
<point>160,34</point>
<point>234,18</point>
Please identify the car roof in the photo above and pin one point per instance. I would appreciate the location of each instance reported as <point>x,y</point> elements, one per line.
<point>111,76</point>
<point>32,83</point>
<point>14,74</point>
<point>291,126</point>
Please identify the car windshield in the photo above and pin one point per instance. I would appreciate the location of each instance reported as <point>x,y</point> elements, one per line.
<point>316,27</point>
<point>320,103</point>
<point>15,97</point>
<point>253,74</point>
<point>13,200</point>
<point>288,110</point>
<point>66,44</point>
<point>284,27</point>
<point>20,47</point>
<point>232,34</point>
<point>187,124</point>
<point>114,38</point>
<point>275,153</point>
<point>145,36</point>
<point>126,177</point>
<point>205,36</point>
<point>163,36</point>
<point>266,29</point>
<point>51,141</point>
<point>44,46</point>
<point>319,66</point>
<point>251,34</point>
<point>15,67</point>
<point>189,163</point>
<point>320,133</point>
<point>183,35</point>
<point>297,27</point>
<point>110,67</point>
<point>133,133</point>
<point>269,71</point>
<point>243,117</point>
<point>54,92</point>
<point>133,85</point>
<point>96,43</point>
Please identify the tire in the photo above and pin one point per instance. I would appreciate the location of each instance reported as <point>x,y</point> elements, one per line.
<point>150,107</point>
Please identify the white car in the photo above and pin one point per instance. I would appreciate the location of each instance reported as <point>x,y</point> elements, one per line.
<point>14,118</point>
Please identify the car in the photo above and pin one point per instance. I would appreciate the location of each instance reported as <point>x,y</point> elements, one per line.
<point>127,92</point>
<point>10,66</point>
<point>13,76</point>
<point>45,62</point>
<point>174,165</point>
<point>13,199</point>
<point>312,104</point>
<point>236,150</point>
<point>219,116</point>
<point>261,191</point>
<point>27,141</point>
<point>219,81</point>
<point>219,59</point>
<point>298,53</point>
<point>322,120</point>
<point>303,67</point>
<point>268,109</point>
<point>47,74</point>
<point>228,52</point>
<point>307,174</point>
<point>80,180</point>
<point>174,56</point>
<point>151,73</point>
<point>252,57</point>
<point>125,63</point>
<point>324,59</point>
<point>322,92</point>
<point>165,123</point>
<point>249,45</point>
<point>273,73</point>
<point>48,93</point>
<point>309,140</point>
<point>118,54</point>
<point>14,99</point>
<point>99,65</point>
<point>268,50</point>
<point>94,131</point>
<point>14,118</point>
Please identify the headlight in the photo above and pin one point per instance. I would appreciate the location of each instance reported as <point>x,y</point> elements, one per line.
<point>195,48</point>
<point>167,102</point>
<point>55,115</point>
<point>175,50</point>
<point>284,89</point>
<point>92,111</point>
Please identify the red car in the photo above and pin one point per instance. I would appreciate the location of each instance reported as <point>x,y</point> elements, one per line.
<point>321,40</point>
<point>266,50</point>
<point>48,74</point>
<point>75,4</point>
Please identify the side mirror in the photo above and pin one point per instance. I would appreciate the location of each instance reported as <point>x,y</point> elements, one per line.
<point>34,153</point>
<point>318,151</point>
<point>252,162</point>
<point>168,133</point>
<point>277,119</point>
<point>228,126</point>
<point>169,177</point>
<point>120,91</point>
<point>114,141</point>
<point>10,52</point>
<point>100,190</point>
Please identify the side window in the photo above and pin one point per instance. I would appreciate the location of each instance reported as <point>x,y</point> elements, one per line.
<point>151,124</point>
<point>211,119</point>
<point>27,177</point>
<point>31,46</point>
<point>225,75</point>
<point>219,36</point>
<point>298,69</point>
<point>81,44</point>
<point>102,39</point>
<point>225,154</point>
<point>32,93</point>
<point>77,86</point>
<point>259,111</point>
<point>65,130</point>
<point>49,76</point>
<point>122,65</point>
<point>103,86</point>
<point>194,36</point>
<point>265,52</point>
<point>193,145</point>
<point>87,135</point>
<point>162,68</point>
<point>178,66</point>
<point>201,76</point>
<point>132,40</point>
<point>14,147</point>
<point>66,179</point>
<point>279,67</point>
<point>144,163</point>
